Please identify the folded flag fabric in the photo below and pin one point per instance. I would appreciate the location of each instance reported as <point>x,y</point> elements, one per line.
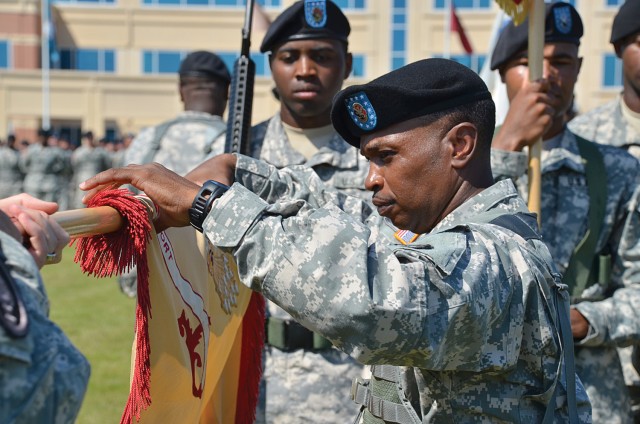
<point>199,332</point>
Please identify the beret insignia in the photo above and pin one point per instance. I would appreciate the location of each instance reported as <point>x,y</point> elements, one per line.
<point>562,19</point>
<point>361,111</point>
<point>315,13</point>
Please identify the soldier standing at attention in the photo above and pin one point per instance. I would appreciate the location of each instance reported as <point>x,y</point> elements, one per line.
<point>46,169</point>
<point>589,213</point>
<point>88,159</point>
<point>182,143</point>
<point>617,123</point>
<point>11,175</point>
<point>304,375</point>
<point>185,141</point>
<point>465,324</point>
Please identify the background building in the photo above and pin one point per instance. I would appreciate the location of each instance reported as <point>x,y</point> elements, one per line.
<point>114,62</point>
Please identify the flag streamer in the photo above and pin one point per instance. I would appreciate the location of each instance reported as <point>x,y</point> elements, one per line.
<point>517,9</point>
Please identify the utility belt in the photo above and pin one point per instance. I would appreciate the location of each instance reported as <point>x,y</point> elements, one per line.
<point>288,336</point>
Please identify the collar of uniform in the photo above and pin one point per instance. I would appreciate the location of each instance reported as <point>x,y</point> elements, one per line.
<point>276,148</point>
<point>564,155</point>
<point>196,114</point>
<point>502,197</point>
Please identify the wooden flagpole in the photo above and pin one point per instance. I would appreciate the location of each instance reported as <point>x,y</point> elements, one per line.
<point>535,52</point>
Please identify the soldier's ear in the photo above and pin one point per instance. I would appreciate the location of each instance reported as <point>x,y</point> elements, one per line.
<point>463,139</point>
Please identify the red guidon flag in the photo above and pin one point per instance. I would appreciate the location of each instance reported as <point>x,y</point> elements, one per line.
<point>197,354</point>
<point>456,26</point>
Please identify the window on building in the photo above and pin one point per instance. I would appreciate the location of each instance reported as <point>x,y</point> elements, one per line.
<point>398,34</point>
<point>4,54</point>
<point>614,3</point>
<point>95,60</point>
<point>464,4</point>
<point>359,69</point>
<point>84,1</point>
<point>214,3</point>
<point>168,62</point>
<point>611,71</point>
<point>351,4</point>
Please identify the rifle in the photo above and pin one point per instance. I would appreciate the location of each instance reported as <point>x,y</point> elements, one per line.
<point>241,101</point>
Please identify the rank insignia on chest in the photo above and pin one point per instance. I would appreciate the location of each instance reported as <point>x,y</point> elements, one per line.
<point>361,111</point>
<point>315,13</point>
<point>405,236</point>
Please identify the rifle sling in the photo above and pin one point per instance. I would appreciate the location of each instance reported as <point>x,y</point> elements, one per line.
<point>580,272</point>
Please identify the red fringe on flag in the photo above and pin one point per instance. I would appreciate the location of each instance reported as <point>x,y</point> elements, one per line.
<point>106,255</point>
<point>250,360</point>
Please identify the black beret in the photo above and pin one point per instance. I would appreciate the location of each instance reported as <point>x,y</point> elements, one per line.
<point>420,88</point>
<point>308,19</point>
<point>562,24</point>
<point>627,21</point>
<point>204,64</point>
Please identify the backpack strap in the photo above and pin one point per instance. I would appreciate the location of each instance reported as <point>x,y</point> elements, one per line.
<point>580,272</point>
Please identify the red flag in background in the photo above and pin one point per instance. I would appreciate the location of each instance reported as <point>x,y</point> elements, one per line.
<point>456,26</point>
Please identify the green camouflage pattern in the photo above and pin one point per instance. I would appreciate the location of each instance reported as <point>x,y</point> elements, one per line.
<point>87,162</point>
<point>466,306</point>
<point>46,170</point>
<point>183,147</point>
<point>304,383</point>
<point>11,175</point>
<point>611,309</point>
<point>43,376</point>
<point>607,125</point>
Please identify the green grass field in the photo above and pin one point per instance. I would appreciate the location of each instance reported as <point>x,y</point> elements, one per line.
<point>99,319</point>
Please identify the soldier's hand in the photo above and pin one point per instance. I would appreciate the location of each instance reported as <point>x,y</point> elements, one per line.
<point>28,220</point>
<point>579,324</point>
<point>530,116</point>
<point>171,193</point>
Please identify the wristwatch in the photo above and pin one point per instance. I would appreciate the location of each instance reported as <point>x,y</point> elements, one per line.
<point>201,205</point>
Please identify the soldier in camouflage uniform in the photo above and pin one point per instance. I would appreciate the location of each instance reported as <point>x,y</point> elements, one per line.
<point>467,323</point>
<point>186,140</point>
<point>309,60</point>
<point>46,169</point>
<point>42,375</point>
<point>587,200</point>
<point>617,123</point>
<point>87,160</point>
<point>11,175</point>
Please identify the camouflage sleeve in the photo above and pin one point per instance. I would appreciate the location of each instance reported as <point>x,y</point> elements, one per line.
<point>295,182</point>
<point>44,377</point>
<point>436,308</point>
<point>616,319</point>
<point>506,164</point>
<point>139,147</point>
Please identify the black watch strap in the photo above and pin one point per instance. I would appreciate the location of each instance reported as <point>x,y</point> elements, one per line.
<point>210,191</point>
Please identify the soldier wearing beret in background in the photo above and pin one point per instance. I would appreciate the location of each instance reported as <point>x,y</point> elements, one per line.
<point>617,123</point>
<point>467,322</point>
<point>185,141</point>
<point>304,375</point>
<point>589,213</point>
